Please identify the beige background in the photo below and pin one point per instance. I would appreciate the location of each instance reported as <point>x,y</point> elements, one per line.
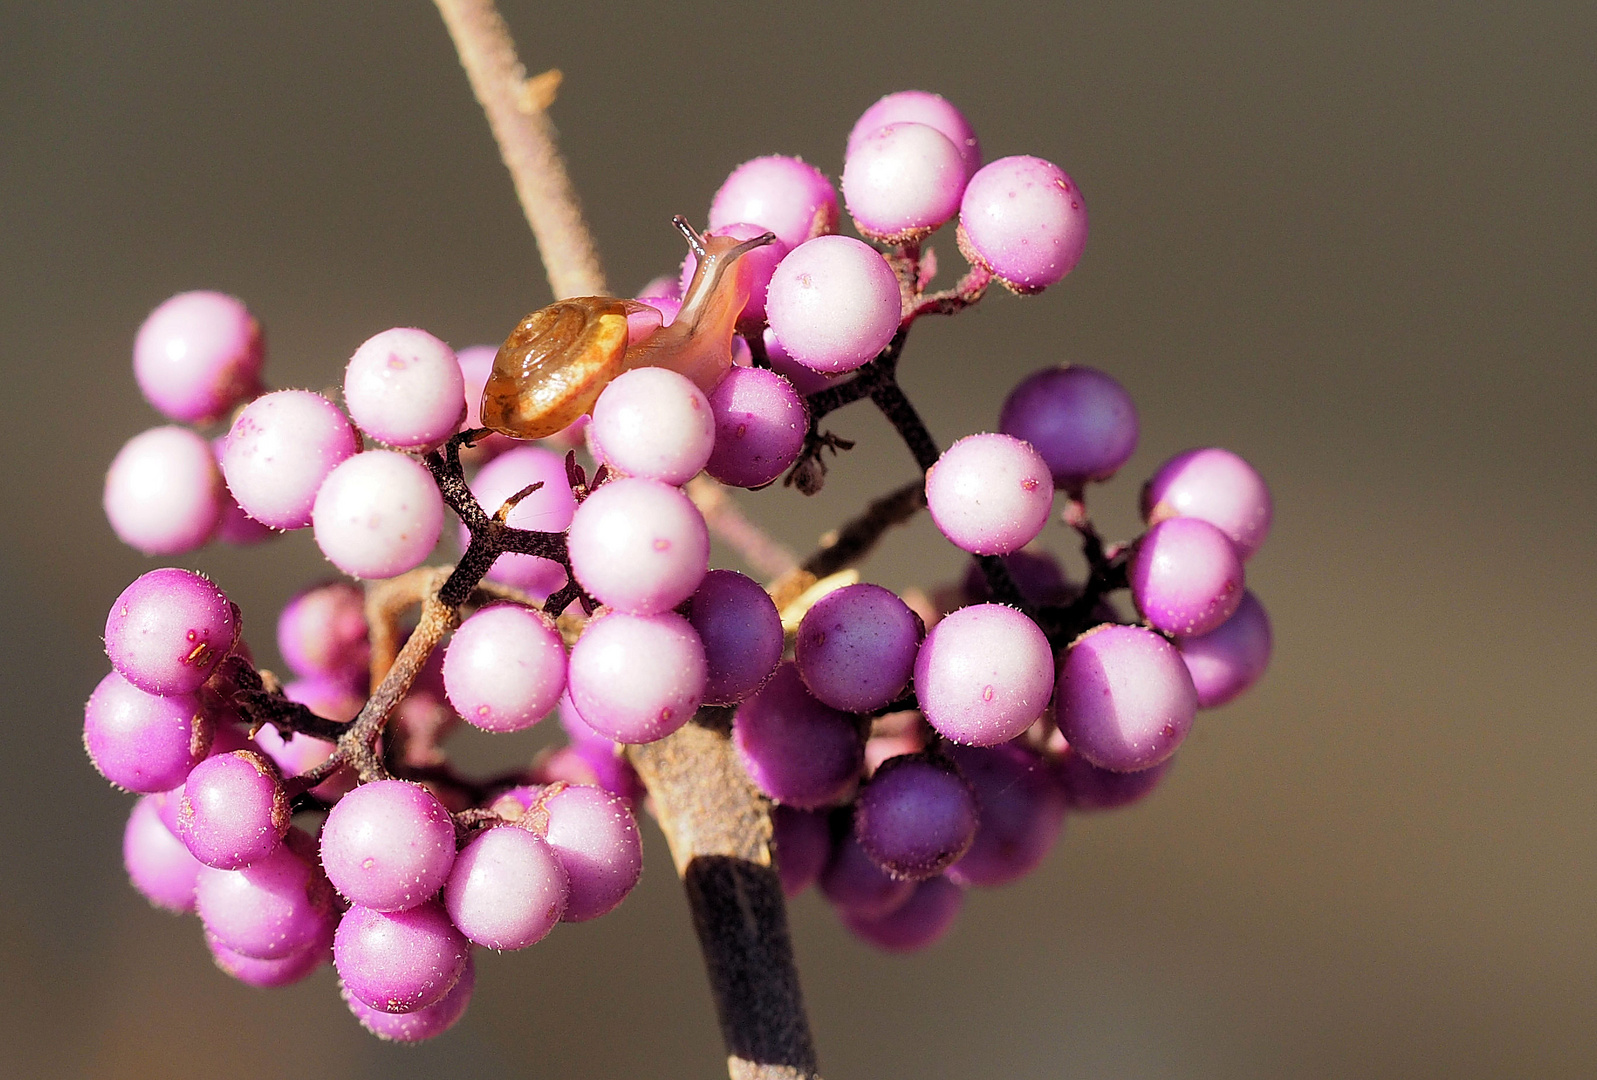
<point>1351,241</point>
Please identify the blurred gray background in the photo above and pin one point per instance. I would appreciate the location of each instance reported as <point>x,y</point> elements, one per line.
<point>1351,241</point>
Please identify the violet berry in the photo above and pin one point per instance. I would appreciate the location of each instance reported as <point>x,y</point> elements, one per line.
<point>1025,220</point>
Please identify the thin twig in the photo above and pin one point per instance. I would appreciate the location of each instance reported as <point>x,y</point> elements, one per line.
<point>526,139</point>
<point>764,554</point>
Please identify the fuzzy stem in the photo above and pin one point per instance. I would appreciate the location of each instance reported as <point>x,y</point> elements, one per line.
<point>526,139</point>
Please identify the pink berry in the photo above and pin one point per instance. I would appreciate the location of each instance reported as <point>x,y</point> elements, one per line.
<point>990,494</point>
<point>421,1024</point>
<point>920,107</point>
<point>234,810</point>
<point>902,181</point>
<point>399,961</point>
<point>507,889</point>
<point>835,303</point>
<point>388,845</point>
<point>637,678</point>
<point>322,632</point>
<point>984,674</point>
<point>280,449</point>
<point>163,493</point>
<point>169,629</point>
<point>198,355</point>
<point>639,546</point>
<point>783,194</point>
<point>1217,486</point>
<point>505,668</point>
<point>158,863</point>
<point>404,387</point>
<point>274,907</point>
<point>654,423</point>
<point>597,840</point>
<point>378,514</point>
<point>476,364</point>
<point>1186,577</point>
<point>1025,220</point>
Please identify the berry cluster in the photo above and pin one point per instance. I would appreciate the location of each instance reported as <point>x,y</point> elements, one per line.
<point>910,747</point>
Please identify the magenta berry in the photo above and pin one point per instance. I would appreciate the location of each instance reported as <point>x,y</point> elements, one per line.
<point>169,629</point>
<point>418,1025</point>
<point>760,425</point>
<point>984,674</point>
<point>1186,577</point>
<point>1020,811</point>
<point>548,509</point>
<point>596,838</point>
<point>322,632</point>
<point>1125,699</point>
<point>902,180</point>
<point>198,355</point>
<point>1229,659</point>
<point>791,198</point>
<point>399,961</point>
<point>835,303</point>
<point>637,678</point>
<point>856,647</point>
<point>920,107</point>
<point>157,862</point>
<point>378,514</point>
<point>507,889</point>
<point>1216,486</point>
<point>388,845</point>
<point>234,810</point>
<point>505,668</point>
<point>278,452</point>
<point>404,387</point>
<point>990,494</point>
<point>1025,220</point>
<point>858,885</point>
<point>272,908</point>
<point>163,493</point>
<point>801,843</point>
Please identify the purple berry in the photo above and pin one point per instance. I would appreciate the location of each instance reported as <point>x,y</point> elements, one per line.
<point>652,422</point>
<point>856,883</point>
<point>1216,486</point>
<point>388,845</point>
<point>143,742</point>
<point>801,842</point>
<point>549,509</point>
<point>507,889</point>
<point>404,388</point>
<point>920,107</point>
<point>1231,658</point>
<point>984,674</point>
<point>1021,813</point>
<point>278,452</point>
<point>990,494</point>
<point>637,678</point>
<point>234,810</point>
<point>1087,787</point>
<point>160,867</point>
<point>1125,699</point>
<point>639,546</point>
<point>399,961</point>
<point>378,514</point>
<point>198,355</point>
<point>917,923</point>
<point>169,629</point>
<point>915,816</point>
<point>741,631</point>
<point>835,303</point>
<point>1186,577</point>
<point>272,908</point>
<point>322,632</point>
<point>1025,220</point>
<point>760,425</point>
<point>505,668</point>
<point>163,493</point>
<point>1080,420</point>
<point>783,194</point>
<point>797,750</point>
<point>418,1025</point>
<point>902,181</point>
<point>856,647</point>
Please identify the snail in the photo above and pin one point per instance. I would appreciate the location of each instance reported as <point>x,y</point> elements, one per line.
<point>553,366</point>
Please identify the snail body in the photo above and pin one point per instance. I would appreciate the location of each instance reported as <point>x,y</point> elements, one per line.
<point>556,362</point>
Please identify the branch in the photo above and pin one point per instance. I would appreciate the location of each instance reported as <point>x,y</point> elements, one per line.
<point>526,137</point>
<point>719,830</point>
